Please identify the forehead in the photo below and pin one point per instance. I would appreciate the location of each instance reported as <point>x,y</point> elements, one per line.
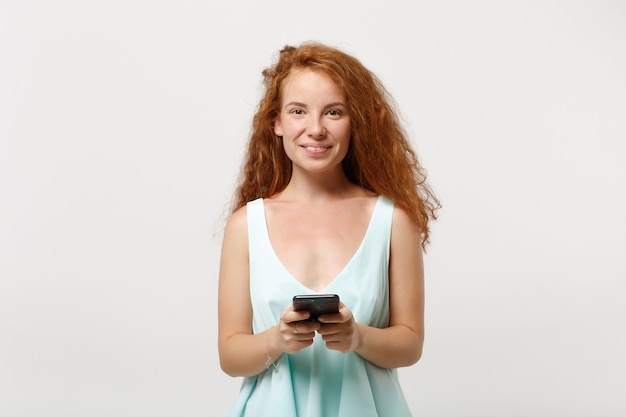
<point>302,81</point>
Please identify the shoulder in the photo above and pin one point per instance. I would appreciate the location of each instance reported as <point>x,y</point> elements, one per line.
<point>403,229</point>
<point>239,218</point>
<point>401,217</point>
<point>237,225</point>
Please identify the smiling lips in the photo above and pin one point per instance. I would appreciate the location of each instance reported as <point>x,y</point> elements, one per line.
<point>316,149</point>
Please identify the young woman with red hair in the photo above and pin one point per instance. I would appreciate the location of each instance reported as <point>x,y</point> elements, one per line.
<point>332,199</point>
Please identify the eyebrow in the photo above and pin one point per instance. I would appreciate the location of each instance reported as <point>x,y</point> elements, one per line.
<point>298,104</point>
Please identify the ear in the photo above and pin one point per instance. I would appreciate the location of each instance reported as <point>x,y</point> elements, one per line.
<point>278,128</point>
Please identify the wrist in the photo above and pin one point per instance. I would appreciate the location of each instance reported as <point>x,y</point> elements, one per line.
<point>357,338</point>
<point>272,341</point>
<point>272,352</point>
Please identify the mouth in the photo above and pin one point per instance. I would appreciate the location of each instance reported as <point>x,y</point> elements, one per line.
<point>316,148</point>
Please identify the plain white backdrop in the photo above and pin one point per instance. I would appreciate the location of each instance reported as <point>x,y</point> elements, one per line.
<point>122,128</point>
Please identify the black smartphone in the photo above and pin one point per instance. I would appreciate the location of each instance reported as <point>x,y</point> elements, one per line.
<point>316,304</point>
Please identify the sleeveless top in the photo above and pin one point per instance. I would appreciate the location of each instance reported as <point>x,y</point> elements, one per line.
<point>318,382</point>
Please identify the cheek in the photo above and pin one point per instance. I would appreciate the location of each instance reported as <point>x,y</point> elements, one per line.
<point>344,125</point>
<point>346,133</point>
<point>287,146</point>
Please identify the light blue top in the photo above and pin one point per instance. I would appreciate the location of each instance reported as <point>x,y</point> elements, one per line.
<point>318,382</point>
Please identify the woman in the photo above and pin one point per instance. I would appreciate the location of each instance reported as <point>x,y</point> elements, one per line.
<point>332,199</point>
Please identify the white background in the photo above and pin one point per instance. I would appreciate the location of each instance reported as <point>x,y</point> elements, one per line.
<point>122,128</point>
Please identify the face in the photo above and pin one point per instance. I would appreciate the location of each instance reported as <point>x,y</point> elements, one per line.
<point>313,122</point>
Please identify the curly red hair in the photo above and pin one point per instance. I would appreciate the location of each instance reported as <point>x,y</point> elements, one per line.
<point>380,158</point>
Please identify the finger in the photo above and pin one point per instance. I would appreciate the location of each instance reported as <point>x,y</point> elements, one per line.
<point>332,318</point>
<point>290,316</point>
<point>302,337</point>
<point>298,317</point>
<point>342,316</point>
<point>299,327</point>
<point>339,346</point>
<point>330,329</point>
<point>336,340</point>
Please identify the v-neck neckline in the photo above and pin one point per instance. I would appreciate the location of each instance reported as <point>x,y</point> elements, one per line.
<point>337,277</point>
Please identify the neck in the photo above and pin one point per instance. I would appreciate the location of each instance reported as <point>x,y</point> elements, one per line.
<point>319,188</point>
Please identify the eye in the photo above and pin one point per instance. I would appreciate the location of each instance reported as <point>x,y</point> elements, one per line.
<point>334,113</point>
<point>296,111</point>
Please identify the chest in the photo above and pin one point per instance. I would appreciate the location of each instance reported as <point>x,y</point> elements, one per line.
<point>316,245</point>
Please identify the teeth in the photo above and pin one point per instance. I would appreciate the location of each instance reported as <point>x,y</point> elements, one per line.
<point>316,148</point>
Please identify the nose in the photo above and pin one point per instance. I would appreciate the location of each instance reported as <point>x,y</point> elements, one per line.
<point>316,129</point>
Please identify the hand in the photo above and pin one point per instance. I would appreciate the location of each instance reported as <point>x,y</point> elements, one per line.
<point>296,334</point>
<point>339,330</point>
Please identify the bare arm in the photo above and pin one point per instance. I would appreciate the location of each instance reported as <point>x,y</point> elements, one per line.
<point>243,353</point>
<point>400,344</point>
